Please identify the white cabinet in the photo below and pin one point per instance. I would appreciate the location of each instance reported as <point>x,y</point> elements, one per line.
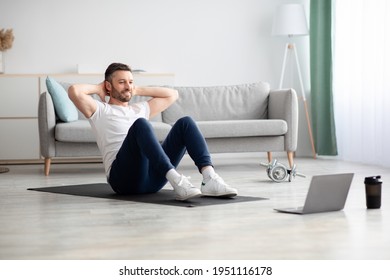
<point>19,117</point>
<point>19,95</point>
<point>19,139</point>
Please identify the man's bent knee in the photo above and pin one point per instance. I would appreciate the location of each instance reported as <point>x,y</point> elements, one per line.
<point>141,123</point>
<point>186,120</point>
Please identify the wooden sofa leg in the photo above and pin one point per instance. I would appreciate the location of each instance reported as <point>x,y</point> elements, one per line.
<point>290,157</point>
<point>269,156</point>
<point>47,166</point>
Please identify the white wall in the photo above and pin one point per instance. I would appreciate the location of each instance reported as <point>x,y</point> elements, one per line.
<point>204,42</point>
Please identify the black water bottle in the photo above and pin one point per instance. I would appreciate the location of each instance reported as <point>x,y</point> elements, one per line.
<point>373,192</point>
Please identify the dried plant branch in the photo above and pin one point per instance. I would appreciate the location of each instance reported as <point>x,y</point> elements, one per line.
<point>6,39</point>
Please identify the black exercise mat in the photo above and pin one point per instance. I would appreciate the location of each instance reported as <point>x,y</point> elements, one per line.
<point>165,197</point>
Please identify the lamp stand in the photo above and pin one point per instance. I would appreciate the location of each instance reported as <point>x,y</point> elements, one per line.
<point>3,169</point>
<point>290,47</point>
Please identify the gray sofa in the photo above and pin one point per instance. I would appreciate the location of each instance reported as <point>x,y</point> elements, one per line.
<point>237,118</point>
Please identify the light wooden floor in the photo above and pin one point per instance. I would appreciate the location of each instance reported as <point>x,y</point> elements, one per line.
<point>35,225</point>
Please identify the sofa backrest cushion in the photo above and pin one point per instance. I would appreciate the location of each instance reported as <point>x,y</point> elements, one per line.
<point>236,102</point>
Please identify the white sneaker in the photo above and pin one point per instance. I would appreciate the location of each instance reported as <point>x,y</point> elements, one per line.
<point>185,190</point>
<point>216,186</point>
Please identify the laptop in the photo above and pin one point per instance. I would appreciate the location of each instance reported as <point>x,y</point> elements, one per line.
<point>326,193</point>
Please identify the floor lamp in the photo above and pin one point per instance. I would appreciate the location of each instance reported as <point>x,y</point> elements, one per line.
<point>290,20</point>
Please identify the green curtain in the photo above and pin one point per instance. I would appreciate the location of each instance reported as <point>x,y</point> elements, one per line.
<point>324,132</point>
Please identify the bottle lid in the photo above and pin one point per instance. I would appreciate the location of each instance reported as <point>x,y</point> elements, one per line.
<point>372,180</point>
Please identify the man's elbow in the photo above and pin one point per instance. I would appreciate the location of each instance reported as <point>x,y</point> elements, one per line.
<point>175,95</point>
<point>71,92</point>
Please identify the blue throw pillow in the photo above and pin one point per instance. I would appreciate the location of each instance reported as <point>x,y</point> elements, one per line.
<point>64,107</point>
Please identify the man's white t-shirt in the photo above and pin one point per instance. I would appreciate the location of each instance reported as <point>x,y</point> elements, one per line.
<point>111,123</point>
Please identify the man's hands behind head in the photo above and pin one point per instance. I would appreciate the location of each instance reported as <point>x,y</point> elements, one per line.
<point>102,91</point>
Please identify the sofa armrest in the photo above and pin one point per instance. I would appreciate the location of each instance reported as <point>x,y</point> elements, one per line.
<point>46,125</point>
<point>283,104</point>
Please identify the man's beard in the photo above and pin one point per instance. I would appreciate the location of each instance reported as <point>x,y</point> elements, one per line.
<point>121,95</point>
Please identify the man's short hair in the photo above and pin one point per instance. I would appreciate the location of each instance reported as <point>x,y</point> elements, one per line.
<point>115,67</point>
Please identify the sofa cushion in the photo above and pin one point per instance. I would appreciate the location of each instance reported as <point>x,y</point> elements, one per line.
<point>242,128</point>
<point>81,131</point>
<point>78,131</point>
<point>63,106</point>
<point>161,130</point>
<point>237,102</point>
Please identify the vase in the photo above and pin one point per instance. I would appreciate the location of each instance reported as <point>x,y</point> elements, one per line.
<point>1,62</point>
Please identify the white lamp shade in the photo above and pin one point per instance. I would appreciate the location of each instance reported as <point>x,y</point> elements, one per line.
<point>290,20</point>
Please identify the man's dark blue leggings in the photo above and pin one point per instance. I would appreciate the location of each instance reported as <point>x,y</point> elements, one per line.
<point>142,162</point>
